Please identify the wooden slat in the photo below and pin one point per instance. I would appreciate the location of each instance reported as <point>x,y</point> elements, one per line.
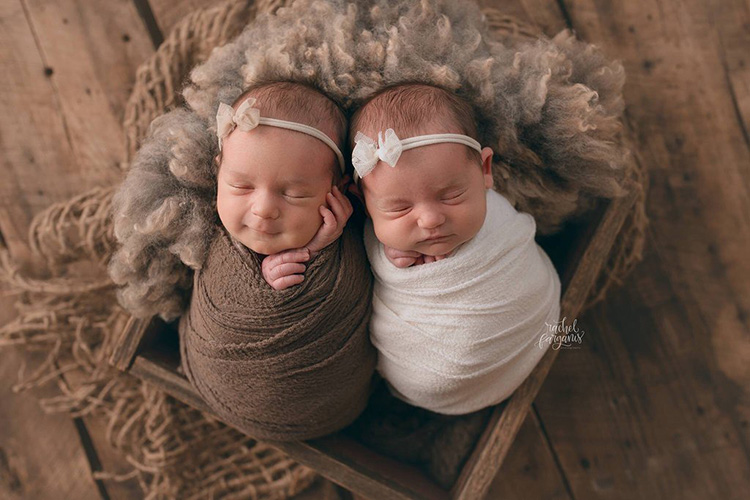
<point>167,379</point>
<point>656,404</point>
<point>529,471</point>
<point>32,133</point>
<point>41,456</point>
<point>93,51</point>
<point>112,461</point>
<point>731,19</point>
<point>68,68</point>
<point>131,332</point>
<point>67,71</point>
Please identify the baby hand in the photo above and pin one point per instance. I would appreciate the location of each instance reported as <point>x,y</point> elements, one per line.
<point>284,269</point>
<point>334,221</point>
<point>401,258</point>
<point>433,258</point>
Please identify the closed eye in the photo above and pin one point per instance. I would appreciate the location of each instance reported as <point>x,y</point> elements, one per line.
<point>397,210</point>
<point>453,196</point>
<point>297,196</point>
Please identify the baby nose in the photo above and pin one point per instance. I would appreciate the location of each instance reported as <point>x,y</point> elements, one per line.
<point>430,219</point>
<point>264,207</point>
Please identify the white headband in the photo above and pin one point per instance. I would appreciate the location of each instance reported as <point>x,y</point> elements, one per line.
<point>247,118</point>
<point>366,152</point>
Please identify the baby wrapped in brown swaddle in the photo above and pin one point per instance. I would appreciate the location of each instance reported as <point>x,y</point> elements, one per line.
<point>275,339</point>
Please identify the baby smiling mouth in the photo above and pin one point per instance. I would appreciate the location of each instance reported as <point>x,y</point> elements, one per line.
<point>264,230</point>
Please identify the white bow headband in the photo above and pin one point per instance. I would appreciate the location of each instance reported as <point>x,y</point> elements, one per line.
<point>366,152</point>
<point>247,118</point>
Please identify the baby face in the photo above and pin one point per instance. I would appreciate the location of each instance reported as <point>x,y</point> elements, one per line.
<point>432,201</point>
<point>270,185</point>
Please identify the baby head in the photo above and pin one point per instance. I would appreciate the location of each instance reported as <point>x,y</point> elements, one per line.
<point>280,155</point>
<point>434,198</point>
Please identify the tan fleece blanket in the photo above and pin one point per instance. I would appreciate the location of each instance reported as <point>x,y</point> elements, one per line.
<point>281,365</point>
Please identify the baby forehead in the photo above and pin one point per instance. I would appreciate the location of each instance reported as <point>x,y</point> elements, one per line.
<point>402,182</point>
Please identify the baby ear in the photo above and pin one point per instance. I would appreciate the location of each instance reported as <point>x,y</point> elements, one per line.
<point>487,167</point>
<point>343,183</point>
<point>355,190</point>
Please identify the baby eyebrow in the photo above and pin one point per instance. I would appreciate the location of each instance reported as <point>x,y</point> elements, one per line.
<point>295,182</point>
<point>387,202</point>
<point>235,174</point>
<point>451,187</point>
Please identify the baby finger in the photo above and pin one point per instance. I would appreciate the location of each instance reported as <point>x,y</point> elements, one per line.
<point>348,208</point>
<point>287,281</point>
<point>336,207</point>
<point>329,219</point>
<point>286,270</point>
<point>402,262</point>
<point>394,254</point>
<point>295,255</point>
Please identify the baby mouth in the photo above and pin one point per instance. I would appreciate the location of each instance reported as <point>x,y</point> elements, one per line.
<point>263,230</point>
<point>437,238</point>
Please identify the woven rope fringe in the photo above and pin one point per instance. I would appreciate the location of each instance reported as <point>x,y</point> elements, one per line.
<point>175,451</point>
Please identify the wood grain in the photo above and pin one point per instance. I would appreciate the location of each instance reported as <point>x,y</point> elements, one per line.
<point>67,71</point>
<point>68,67</point>
<point>93,51</point>
<point>32,132</point>
<point>656,404</point>
<point>529,471</point>
<point>130,332</point>
<point>40,455</point>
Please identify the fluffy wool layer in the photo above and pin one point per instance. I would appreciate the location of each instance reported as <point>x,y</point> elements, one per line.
<point>164,216</point>
<point>549,108</point>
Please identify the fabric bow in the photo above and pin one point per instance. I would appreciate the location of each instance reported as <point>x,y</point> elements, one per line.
<point>366,153</point>
<point>246,118</point>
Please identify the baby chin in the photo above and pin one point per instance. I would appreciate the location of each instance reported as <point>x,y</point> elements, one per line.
<point>439,246</point>
<point>266,243</point>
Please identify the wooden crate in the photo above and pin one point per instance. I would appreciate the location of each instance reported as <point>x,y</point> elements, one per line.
<point>149,349</point>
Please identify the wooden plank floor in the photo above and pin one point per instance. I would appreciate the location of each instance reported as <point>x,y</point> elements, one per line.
<point>655,404</point>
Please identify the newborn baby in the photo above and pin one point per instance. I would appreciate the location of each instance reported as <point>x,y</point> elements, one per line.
<point>275,185</point>
<point>291,360</point>
<point>462,291</point>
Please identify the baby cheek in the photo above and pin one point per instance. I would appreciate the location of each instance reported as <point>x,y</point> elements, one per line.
<point>229,211</point>
<point>474,219</point>
<point>305,222</point>
<point>393,233</point>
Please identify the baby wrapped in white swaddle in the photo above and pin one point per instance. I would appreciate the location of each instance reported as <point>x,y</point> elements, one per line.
<point>462,333</point>
<point>462,291</point>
